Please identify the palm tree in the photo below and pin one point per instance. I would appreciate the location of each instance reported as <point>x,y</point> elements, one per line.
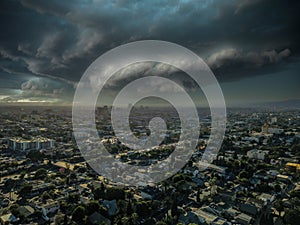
<point>198,196</point>
<point>134,218</point>
<point>212,183</point>
<point>278,205</point>
<point>125,220</point>
<point>174,207</point>
<point>129,210</point>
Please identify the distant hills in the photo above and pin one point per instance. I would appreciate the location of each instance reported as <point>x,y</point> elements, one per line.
<point>287,104</point>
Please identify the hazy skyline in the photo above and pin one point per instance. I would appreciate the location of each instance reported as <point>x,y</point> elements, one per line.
<point>252,46</point>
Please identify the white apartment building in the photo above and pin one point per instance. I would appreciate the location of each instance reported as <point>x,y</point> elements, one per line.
<point>256,154</point>
<point>20,144</point>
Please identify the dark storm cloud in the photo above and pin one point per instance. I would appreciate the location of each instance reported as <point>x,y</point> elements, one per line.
<point>236,62</point>
<point>59,39</point>
<point>231,57</point>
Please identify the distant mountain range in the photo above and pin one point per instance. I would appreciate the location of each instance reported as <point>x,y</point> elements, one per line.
<point>287,104</point>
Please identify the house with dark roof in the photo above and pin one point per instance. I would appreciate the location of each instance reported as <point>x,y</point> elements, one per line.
<point>27,211</point>
<point>111,206</point>
<point>9,219</point>
<point>244,219</point>
<point>97,218</point>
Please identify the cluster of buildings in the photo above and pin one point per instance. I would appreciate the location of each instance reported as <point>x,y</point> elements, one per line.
<point>254,179</point>
<point>269,129</point>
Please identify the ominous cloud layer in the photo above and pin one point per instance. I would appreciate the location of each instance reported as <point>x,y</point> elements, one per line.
<point>56,40</point>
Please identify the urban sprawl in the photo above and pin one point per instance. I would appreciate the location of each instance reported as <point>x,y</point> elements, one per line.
<point>255,179</point>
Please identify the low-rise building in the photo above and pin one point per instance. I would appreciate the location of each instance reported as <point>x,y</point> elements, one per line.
<point>50,207</point>
<point>244,219</point>
<point>293,167</point>
<point>256,154</point>
<point>9,219</point>
<point>21,144</point>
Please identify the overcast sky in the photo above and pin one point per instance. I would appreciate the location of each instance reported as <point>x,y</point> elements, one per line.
<point>252,46</point>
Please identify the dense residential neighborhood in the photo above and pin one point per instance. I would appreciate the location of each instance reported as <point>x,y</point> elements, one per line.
<point>255,178</point>
<point>158,112</point>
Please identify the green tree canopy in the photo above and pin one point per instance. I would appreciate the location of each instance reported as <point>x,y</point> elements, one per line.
<point>78,214</point>
<point>41,174</point>
<point>25,190</point>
